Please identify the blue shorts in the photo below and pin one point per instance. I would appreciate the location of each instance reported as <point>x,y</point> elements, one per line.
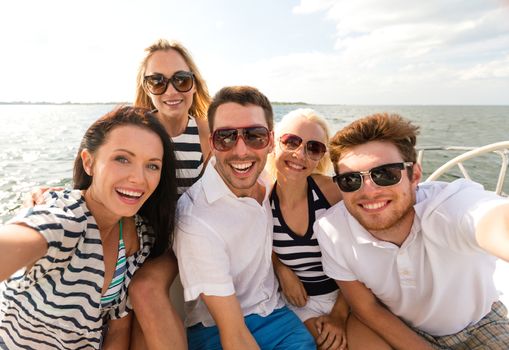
<point>280,330</point>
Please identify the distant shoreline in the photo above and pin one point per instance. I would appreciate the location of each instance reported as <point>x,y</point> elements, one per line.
<point>275,103</point>
<point>62,103</point>
<point>113,103</point>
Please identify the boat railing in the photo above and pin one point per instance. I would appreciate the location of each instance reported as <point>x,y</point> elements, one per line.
<point>499,148</point>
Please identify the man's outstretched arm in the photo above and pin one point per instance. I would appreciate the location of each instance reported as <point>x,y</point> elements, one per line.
<point>492,232</point>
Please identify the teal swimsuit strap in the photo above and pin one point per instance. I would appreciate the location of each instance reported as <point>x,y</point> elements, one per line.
<point>113,291</point>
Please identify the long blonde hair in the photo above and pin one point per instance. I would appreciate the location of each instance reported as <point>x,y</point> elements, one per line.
<point>324,165</point>
<point>201,99</point>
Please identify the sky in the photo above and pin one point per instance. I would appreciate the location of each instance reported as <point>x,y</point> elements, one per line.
<point>355,52</point>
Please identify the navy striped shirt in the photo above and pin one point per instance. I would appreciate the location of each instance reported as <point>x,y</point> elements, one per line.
<point>189,156</point>
<point>302,253</point>
<point>56,304</point>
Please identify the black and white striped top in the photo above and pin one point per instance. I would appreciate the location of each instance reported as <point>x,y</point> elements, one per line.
<point>189,156</point>
<point>56,303</point>
<point>302,253</point>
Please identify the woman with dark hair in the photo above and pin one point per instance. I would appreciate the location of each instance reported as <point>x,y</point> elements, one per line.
<point>66,264</point>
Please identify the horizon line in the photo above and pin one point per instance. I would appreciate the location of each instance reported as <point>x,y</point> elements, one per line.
<point>272,102</point>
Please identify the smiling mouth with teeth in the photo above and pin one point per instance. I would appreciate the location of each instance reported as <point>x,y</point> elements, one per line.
<point>374,206</point>
<point>242,167</point>
<point>129,194</point>
<point>294,165</point>
<point>172,103</point>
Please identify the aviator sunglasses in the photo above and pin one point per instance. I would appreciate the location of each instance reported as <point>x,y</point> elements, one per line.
<point>383,175</point>
<point>255,137</point>
<point>314,149</point>
<point>157,84</point>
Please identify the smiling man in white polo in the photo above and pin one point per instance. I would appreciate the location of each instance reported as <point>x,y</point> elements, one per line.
<point>414,261</point>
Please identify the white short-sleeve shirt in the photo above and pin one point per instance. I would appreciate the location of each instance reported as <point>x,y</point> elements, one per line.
<point>439,280</point>
<point>224,244</point>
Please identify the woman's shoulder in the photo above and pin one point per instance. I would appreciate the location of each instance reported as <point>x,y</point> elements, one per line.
<point>328,188</point>
<point>201,123</point>
<point>68,205</point>
<point>63,221</point>
<point>203,132</point>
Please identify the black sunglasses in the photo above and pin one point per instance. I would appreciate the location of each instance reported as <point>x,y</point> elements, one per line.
<point>157,84</point>
<point>314,149</point>
<point>256,137</point>
<point>383,175</point>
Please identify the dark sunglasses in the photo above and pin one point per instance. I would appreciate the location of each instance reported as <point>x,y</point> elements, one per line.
<point>314,149</point>
<point>256,137</point>
<point>383,175</point>
<point>157,83</point>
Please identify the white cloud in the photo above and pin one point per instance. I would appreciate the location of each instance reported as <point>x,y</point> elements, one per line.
<point>395,28</point>
<point>395,51</point>
<point>490,70</point>
<point>310,6</point>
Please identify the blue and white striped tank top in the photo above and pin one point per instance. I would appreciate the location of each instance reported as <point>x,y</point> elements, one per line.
<point>189,156</point>
<point>302,253</point>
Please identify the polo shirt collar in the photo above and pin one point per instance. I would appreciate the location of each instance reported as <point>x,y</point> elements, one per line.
<point>362,236</point>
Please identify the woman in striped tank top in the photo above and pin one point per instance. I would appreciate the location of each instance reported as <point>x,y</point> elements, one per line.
<point>301,194</point>
<point>169,83</point>
<point>67,263</point>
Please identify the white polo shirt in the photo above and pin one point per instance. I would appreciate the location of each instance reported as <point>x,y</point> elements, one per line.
<point>224,244</point>
<point>439,280</point>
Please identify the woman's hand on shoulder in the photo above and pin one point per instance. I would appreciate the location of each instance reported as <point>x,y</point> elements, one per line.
<point>36,196</point>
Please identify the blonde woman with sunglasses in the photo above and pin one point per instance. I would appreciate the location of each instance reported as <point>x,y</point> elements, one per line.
<point>303,191</point>
<point>170,84</point>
